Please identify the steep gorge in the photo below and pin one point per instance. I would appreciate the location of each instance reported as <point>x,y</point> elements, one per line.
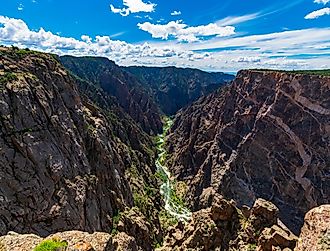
<point>174,88</point>
<point>123,86</point>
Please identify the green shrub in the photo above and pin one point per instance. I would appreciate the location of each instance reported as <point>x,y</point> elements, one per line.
<point>8,77</point>
<point>150,191</point>
<point>166,220</point>
<point>251,247</point>
<point>51,245</point>
<point>141,201</point>
<point>21,53</point>
<point>307,72</point>
<point>115,221</point>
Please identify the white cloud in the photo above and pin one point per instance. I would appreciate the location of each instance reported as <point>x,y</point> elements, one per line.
<point>86,39</point>
<point>318,13</point>
<point>283,43</point>
<point>183,32</point>
<point>246,59</point>
<point>176,13</point>
<point>20,7</point>
<point>297,49</point>
<point>148,17</point>
<point>162,30</point>
<point>322,1</point>
<point>118,34</point>
<point>238,20</point>
<point>133,6</point>
<point>16,32</point>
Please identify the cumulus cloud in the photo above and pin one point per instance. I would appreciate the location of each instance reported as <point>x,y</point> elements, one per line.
<point>176,13</point>
<point>16,32</point>
<point>183,32</point>
<point>298,49</point>
<point>162,30</point>
<point>86,39</point>
<point>133,6</point>
<point>322,1</point>
<point>318,13</point>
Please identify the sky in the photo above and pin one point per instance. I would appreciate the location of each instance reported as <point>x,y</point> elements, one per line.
<point>212,35</point>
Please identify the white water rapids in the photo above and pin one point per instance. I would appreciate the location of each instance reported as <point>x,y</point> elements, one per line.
<point>171,206</point>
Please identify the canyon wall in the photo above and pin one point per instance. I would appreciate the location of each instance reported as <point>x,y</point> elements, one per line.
<point>266,135</point>
<point>64,163</point>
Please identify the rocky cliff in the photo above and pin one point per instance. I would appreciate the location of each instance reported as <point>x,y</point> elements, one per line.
<point>175,88</point>
<point>266,135</point>
<point>110,79</point>
<point>64,162</point>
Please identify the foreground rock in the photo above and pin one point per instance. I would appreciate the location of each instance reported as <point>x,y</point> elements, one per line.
<point>122,241</point>
<point>19,242</point>
<point>76,241</point>
<point>265,135</point>
<point>315,234</point>
<point>219,227</point>
<point>223,227</point>
<point>135,224</point>
<point>276,238</point>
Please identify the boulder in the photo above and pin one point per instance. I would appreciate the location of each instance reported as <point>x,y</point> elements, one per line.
<point>315,234</point>
<point>276,237</point>
<point>19,242</point>
<point>263,214</point>
<point>122,241</point>
<point>222,210</point>
<point>135,224</point>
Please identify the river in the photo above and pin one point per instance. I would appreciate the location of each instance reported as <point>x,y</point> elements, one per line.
<point>174,208</point>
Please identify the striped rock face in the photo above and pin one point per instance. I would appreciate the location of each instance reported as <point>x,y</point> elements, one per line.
<point>266,135</point>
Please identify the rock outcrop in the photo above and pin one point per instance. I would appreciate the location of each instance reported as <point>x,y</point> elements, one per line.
<point>64,162</point>
<point>266,135</point>
<point>315,234</point>
<point>122,241</point>
<point>75,240</point>
<point>223,227</point>
<point>175,88</point>
<point>135,224</point>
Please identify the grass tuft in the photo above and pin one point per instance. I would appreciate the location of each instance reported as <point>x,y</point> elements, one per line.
<point>51,245</point>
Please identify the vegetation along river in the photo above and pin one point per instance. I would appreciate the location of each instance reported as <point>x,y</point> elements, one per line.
<point>172,205</point>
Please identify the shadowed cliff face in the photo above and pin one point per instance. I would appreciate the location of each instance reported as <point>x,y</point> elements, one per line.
<point>112,80</point>
<point>64,163</point>
<point>175,88</point>
<point>266,135</point>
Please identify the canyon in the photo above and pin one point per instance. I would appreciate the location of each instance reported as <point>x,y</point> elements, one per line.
<point>90,158</point>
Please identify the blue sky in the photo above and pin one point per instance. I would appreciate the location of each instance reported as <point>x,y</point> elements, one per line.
<point>211,35</point>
